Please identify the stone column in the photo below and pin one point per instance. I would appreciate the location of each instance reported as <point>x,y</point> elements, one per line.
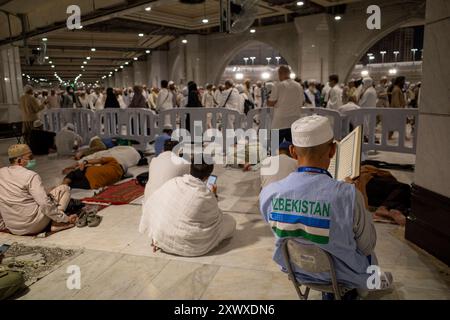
<point>10,75</point>
<point>159,70</point>
<point>429,223</point>
<point>140,72</point>
<point>11,87</point>
<point>316,44</point>
<point>128,76</point>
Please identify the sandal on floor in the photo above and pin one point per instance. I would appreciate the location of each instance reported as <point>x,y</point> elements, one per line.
<point>93,220</point>
<point>82,220</point>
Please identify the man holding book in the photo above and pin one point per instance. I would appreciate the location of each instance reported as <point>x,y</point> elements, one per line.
<point>312,207</point>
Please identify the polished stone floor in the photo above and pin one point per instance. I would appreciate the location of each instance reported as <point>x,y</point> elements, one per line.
<point>118,263</point>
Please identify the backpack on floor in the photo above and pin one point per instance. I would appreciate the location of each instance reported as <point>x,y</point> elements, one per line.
<point>142,178</point>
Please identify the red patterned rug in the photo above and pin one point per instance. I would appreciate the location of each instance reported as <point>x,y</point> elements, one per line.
<point>118,194</point>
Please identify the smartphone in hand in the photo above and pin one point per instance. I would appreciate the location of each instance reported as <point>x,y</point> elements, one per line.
<point>211,181</point>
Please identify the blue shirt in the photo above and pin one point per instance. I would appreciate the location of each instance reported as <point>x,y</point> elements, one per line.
<point>159,143</point>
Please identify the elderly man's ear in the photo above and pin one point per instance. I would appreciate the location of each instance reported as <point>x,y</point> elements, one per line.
<point>333,150</point>
<point>293,152</point>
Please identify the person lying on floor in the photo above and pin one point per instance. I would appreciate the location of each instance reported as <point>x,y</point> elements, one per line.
<point>313,208</point>
<point>26,208</point>
<point>67,140</point>
<point>95,145</point>
<point>183,216</point>
<point>382,190</point>
<point>276,168</point>
<point>127,156</point>
<point>94,173</point>
<point>164,167</point>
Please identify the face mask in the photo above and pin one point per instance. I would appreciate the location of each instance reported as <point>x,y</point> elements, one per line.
<point>31,164</point>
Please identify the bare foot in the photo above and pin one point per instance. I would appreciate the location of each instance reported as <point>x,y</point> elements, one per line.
<point>61,226</point>
<point>397,216</point>
<point>382,212</point>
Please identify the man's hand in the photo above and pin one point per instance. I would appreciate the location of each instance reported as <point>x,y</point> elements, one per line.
<point>349,180</point>
<point>73,218</point>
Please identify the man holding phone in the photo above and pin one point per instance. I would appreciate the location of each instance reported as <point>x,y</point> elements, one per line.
<point>10,281</point>
<point>193,224</point>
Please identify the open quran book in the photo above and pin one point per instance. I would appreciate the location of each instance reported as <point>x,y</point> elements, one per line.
<point>347,160</point>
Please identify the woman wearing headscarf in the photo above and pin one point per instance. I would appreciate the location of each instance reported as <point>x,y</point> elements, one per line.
<point>111,100</point>
<point>138,100</point>
<point>193,101</point>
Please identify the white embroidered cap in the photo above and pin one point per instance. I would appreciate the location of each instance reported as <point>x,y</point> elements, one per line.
<point>311,131</point>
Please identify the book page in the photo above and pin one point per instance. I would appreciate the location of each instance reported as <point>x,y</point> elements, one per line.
<point>332,166</point>
<point>349,155</point>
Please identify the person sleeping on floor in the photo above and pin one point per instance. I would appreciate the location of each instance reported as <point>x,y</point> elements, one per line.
<point>192,225</point>
<point>101,169</point>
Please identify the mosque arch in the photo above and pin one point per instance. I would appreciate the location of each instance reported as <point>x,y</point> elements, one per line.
<point>346,67</point>
<point>228,56</point>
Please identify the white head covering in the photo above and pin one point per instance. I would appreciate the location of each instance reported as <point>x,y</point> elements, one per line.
<point>311,131</point>
<point>240,88</point>
<point>185,91</point>
<point>171,83</point>
<point>367,81</point>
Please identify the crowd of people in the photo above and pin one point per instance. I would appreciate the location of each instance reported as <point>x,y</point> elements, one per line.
<point>299,200</point>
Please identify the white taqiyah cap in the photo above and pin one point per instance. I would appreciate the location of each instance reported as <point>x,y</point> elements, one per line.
<point>311,131</point>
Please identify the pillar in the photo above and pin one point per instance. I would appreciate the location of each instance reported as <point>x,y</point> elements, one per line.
<point>140,72</point>
<point>315,57</point>
<point>11,87</point>
<point>159,68</point>
<point>429,224</point>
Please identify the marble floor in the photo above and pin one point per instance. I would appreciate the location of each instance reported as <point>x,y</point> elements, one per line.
<point>117,262</point>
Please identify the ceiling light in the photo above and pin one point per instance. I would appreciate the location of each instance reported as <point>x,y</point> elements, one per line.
<point>147,51</point>
<point>126,63</point>
<point>292,75</point>
<point>50,62</point>
<point>88,58</point>
<point>135,58</point>
<point>393,71</point>
<point>81,27</point>
<point>115,70</point>
<point>44,39</point>
<point>239,76</point>
<point>337,18</point>
<point>371,58</point>
<point>84,62</point>
<point>82,67</point>
<point>140,34</point>
<point>53,66</point>
<point>364,73</point>
<point>184,41</point>
<point>205,20</point>
<point>46,58</point>
<point>148,9</point>
<point>252,30</point>
<point>23,74</point>
<point>92,49</point>
<point>121,67</point>
<point>300,3</point>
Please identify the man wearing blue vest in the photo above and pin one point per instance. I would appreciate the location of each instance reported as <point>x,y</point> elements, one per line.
<point>312,207</point>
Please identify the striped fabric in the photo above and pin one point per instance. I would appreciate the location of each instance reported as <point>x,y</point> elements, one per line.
<point>316,230</point>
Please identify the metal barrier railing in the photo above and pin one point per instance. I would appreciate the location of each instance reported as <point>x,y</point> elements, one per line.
<point>142,125</point>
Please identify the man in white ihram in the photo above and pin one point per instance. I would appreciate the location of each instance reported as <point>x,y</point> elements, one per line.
<point>183,217</point>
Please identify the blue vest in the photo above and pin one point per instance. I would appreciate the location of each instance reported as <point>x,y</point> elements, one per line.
<point>313,208</point>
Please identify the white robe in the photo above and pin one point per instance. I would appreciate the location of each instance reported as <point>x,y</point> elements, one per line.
<point>190,226</point>
<point>161,169</point>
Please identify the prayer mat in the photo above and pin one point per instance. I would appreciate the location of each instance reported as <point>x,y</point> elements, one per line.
<point>35,261</point>
<point>118,194</point>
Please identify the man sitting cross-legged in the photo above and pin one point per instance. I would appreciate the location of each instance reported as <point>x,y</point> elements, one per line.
<point>25,207</point>
<point>183,216</point>
<point>93,174</point>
